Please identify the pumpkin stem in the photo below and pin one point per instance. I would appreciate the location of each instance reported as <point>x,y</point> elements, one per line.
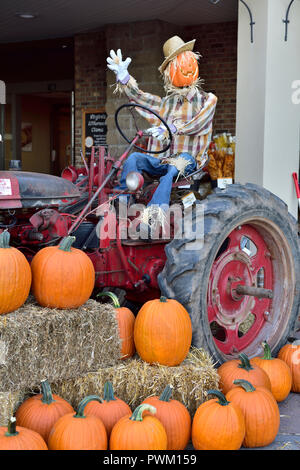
<point>245,363</point>
<point>222,399</point>
<point>12,427</point>
<point>47,393</point>
<point>163,299</point>
<point>108,392</point>
<point>66,243</point>
<point>4,239</point>
<point>113,297</point>
<point>84,402</point>
<point>247,386</point>
<point>166,394</point>
<point>137,415</point>
<point>267,350</point>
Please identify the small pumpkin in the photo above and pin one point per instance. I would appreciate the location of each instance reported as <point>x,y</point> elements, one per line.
<point>138,432</point>
<point>260,410</point>
<point>15,437</point>
<point>242,369</point>
<point>126,320</point>
<point>290,354</point>
<point>62,276</point>
<point>278,371</point>
<point>110,410</point>
<point>184,70</point>
<point>15,276</point>
<point>163,332</point>
<point>218,424</point>
<point>78,431</point>
<point>174,416</point>
<point>41,411</point>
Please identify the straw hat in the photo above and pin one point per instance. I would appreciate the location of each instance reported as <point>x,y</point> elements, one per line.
<point>174,46</point>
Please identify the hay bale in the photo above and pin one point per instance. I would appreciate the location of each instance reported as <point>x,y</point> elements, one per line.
<point>38,343</point>
<point>134,380</point>
<point>9,402</point>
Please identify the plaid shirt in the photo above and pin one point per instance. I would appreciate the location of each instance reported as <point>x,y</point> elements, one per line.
<point>192,115</point>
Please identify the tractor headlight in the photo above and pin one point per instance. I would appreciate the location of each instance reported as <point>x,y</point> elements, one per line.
<point>134,181</point>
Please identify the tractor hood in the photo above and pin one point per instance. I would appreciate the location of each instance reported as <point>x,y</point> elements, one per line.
<point>24,189</point>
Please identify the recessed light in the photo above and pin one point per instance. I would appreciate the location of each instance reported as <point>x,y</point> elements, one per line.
<point>26,16</point>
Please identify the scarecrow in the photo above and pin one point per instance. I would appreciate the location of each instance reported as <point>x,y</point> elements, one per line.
<point>187,110</point>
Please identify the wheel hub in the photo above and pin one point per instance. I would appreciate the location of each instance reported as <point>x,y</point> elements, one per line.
<point>236,292</point>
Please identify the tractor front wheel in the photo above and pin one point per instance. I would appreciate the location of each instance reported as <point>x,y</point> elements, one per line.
<point>242,285</point>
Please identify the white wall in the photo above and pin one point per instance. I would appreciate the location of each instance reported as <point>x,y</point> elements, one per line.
<point>268,123</point>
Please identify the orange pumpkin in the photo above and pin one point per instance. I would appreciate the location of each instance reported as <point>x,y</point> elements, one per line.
<point>175,418</point>
<point>62,276</point>
<point>110,410</point>
<point>184,70</point>
<point>242,369</point>
<point>218,424</point>
<point>163,332</point>
<point>290,354</point>
<point>78,431</point>
<point>138,432</point>
<point>41,411</point>
<point>278,372</point>
<point>260,411</point>
<point>15,437</point>
<point>126,320</point>
<point>15,276</point>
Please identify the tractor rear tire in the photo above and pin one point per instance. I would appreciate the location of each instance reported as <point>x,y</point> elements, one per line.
<point>202,281</point>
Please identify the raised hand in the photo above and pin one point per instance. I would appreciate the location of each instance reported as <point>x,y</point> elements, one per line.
<point>118,66</point>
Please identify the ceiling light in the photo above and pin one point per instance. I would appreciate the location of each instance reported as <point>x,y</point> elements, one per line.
<point>26,16</point>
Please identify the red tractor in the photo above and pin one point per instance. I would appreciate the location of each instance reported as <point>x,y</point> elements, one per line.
<point>241,286</point>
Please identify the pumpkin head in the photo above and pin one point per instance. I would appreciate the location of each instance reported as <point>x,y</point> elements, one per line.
<point>278,372</point>
<point>78,431</point>
<point>260,411</point>
<point>184,70</point>
<point>175,418</point>
<point>41,411</point>
<point>138,432</point>
<point>110,410</point>
<point>218,424</point>
<point>15,437</point>
<point>62,276</point>
<point>242,369</point>
<point>126,320</point>
<point>15,276</point>
<point>163,332</point>
<point>290,354</point>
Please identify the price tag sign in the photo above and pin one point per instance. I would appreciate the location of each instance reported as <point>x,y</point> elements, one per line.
<point>5,187</point>
<point>223,182</point>
<point>188,200</point>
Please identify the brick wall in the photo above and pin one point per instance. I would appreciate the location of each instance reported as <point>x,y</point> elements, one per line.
<point>90,79</point>
<point>217,43</point>
<point>143,41</point>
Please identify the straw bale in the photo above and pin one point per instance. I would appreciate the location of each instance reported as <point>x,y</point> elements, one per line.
<point>134,380</point>
<point>9,402</point>
<point>38,343</point>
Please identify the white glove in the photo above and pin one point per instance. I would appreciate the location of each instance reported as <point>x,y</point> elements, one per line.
<point>118,66</point>
<point>160,132</point>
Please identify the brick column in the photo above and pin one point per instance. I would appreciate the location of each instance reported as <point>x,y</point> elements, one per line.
<point>90,79</point>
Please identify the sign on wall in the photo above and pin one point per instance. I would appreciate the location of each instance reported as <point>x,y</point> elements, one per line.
<point>94,129</point>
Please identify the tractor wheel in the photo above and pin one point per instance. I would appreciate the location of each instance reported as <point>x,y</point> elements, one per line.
<point>250,240</point>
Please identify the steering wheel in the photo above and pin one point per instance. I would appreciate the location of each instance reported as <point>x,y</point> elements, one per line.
<point>134,105</point>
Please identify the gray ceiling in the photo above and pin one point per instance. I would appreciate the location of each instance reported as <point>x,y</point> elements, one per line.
<point>64,18</point>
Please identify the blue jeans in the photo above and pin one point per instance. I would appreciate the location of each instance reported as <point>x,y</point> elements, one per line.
<point>141,162</point>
